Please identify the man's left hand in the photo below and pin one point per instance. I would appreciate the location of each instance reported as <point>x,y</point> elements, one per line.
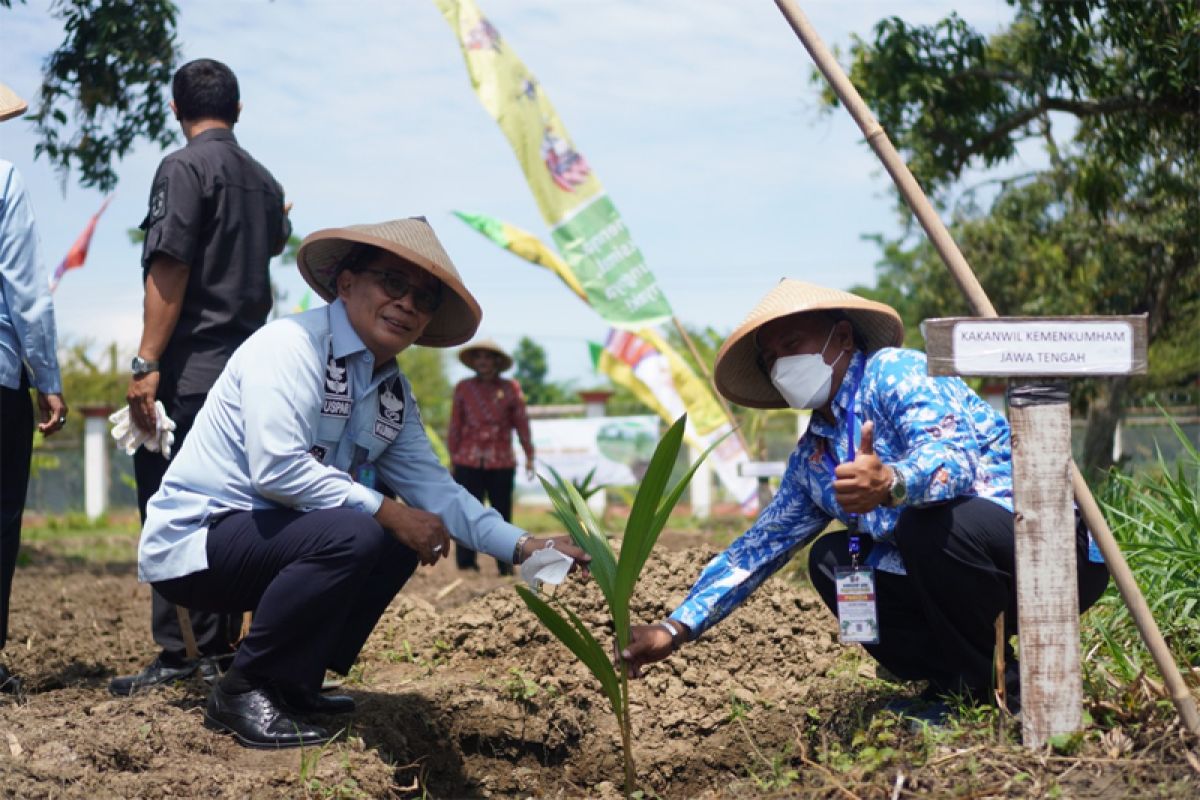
<point>564,545</point>
<point>864,483</point>
<point>53,410</point>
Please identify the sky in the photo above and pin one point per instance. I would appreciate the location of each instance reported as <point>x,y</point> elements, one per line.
<point>698,116</point>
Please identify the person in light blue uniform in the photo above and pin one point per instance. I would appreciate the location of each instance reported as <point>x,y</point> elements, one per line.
<point>28,356</point>
<point>917,469</point>
<point>274,502</point>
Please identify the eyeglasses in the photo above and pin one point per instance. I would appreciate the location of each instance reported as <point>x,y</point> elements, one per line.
<point>397,285</point>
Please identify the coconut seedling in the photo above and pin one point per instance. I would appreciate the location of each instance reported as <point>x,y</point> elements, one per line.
<point>616,575</point>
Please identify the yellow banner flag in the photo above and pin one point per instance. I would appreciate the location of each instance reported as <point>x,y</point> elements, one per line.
<point>584,222</point>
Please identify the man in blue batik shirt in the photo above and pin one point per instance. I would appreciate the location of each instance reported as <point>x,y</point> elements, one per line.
<point>27,351</point>
<point>272,505</point>
<point>917,469</point>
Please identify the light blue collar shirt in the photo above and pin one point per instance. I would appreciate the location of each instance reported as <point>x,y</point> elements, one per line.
<point>298,408</point>
<point>27,333</point>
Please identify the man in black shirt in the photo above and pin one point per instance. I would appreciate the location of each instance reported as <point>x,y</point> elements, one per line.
<point>216,218</point>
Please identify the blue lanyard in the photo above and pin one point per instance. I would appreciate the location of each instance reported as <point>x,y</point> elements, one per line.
<point>854,540</point>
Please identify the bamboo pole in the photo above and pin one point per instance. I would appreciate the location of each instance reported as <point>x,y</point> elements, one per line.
<point>964,276</point>
<point>700,362</point>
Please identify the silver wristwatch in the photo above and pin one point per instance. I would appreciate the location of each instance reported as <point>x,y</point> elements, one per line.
<point>141,366</point>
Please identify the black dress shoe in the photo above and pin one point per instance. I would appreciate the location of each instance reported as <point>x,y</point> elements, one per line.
<point>9,683</point>
<point>295,700</point>
<point>256,719</point>
<point>154,675</point>
<point>211,668</point>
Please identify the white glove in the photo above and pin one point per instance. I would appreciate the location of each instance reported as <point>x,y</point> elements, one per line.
<point>127,434</point>
<point>165,435</point>
<point>131,437</point>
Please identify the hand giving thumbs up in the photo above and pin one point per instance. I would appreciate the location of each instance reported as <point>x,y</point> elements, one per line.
<point>863,484</point>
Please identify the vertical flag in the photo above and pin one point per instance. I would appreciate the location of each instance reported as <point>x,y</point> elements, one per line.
<point>584,223</point>
<point>660,378</point>
<point>645,364</point>
<point>525,245</point>
<point>79,251</point>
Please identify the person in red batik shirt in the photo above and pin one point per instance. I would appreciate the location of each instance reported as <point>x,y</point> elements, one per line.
<point>487,409</point>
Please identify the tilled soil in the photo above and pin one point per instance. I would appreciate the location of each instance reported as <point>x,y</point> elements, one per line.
<point>462,693</point>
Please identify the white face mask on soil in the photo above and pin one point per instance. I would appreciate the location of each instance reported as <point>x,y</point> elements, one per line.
<point>804,380</point>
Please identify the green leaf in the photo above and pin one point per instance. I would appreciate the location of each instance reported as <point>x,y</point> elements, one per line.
<point>580,642</point>
<point>585,532</point>
<point>643,527</point>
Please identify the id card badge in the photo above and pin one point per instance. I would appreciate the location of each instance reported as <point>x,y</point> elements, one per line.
<point>365,474</point>
<point>858,617</point>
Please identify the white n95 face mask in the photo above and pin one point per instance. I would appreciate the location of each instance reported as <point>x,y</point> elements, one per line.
<point>804,380</point>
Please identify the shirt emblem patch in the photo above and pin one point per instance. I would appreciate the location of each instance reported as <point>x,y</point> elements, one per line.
<point>337,400</point>
<point>391,412</point>
<point>158,201</point>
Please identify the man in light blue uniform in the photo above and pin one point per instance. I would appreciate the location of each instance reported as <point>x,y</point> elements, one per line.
<point>27,349</point>
<point>919,471</point>
<point>272,503</point>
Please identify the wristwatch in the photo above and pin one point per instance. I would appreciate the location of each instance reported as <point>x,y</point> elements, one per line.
<point>141,366</point>
<point>898,491</point>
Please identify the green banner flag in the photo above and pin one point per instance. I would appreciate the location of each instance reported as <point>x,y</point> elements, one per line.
<point>584,222</point>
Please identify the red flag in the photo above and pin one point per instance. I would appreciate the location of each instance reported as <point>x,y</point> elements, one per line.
<point>79,251</point>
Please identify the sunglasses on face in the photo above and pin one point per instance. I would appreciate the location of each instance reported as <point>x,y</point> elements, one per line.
<point>396,285</point>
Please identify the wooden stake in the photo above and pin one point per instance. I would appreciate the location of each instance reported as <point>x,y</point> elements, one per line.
<point>961,271</point>
<point>189,636</point>
<point>998,662</point>
<point>1047,582</point>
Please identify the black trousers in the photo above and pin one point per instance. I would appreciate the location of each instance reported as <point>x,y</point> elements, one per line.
<point>318,581</point>
<point>937,623</point>
<point>215,633</point>
<point>496,485</point>
<point>16,450</point>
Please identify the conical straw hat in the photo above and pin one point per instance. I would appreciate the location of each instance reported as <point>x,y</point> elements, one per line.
<point>413,240</point>
<point>489,346</point>
<point>11,105</point>
<point>737,373</point>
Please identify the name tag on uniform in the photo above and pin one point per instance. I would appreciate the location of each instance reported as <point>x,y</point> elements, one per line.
<point>858,616</point>
<point>336,402</point>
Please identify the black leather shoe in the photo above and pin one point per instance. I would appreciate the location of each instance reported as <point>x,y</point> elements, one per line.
<point>154,675</point>
<point>9,683</point>
<point>211,668</point>
<point>295,700</point>
<point>256,719</point>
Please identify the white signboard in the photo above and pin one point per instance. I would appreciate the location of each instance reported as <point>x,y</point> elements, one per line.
<point>1094,347</point>
<point>617,448</point>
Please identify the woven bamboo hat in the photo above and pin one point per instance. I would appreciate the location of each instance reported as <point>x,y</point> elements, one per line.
<point>737,373</point>
<point>486,346</point>
<point>11,105</point>
<point>413,240</point>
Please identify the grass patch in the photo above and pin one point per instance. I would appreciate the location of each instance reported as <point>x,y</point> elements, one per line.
<point>107,539</point>
<point>1155,518</point>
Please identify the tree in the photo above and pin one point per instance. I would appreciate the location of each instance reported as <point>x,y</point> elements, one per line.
<point>1109,226</point>
<point>106,86</point>
<point>532,367</point>
<point>425,369</point>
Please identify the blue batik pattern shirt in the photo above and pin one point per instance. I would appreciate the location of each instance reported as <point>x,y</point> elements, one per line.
<point>942,438</point>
